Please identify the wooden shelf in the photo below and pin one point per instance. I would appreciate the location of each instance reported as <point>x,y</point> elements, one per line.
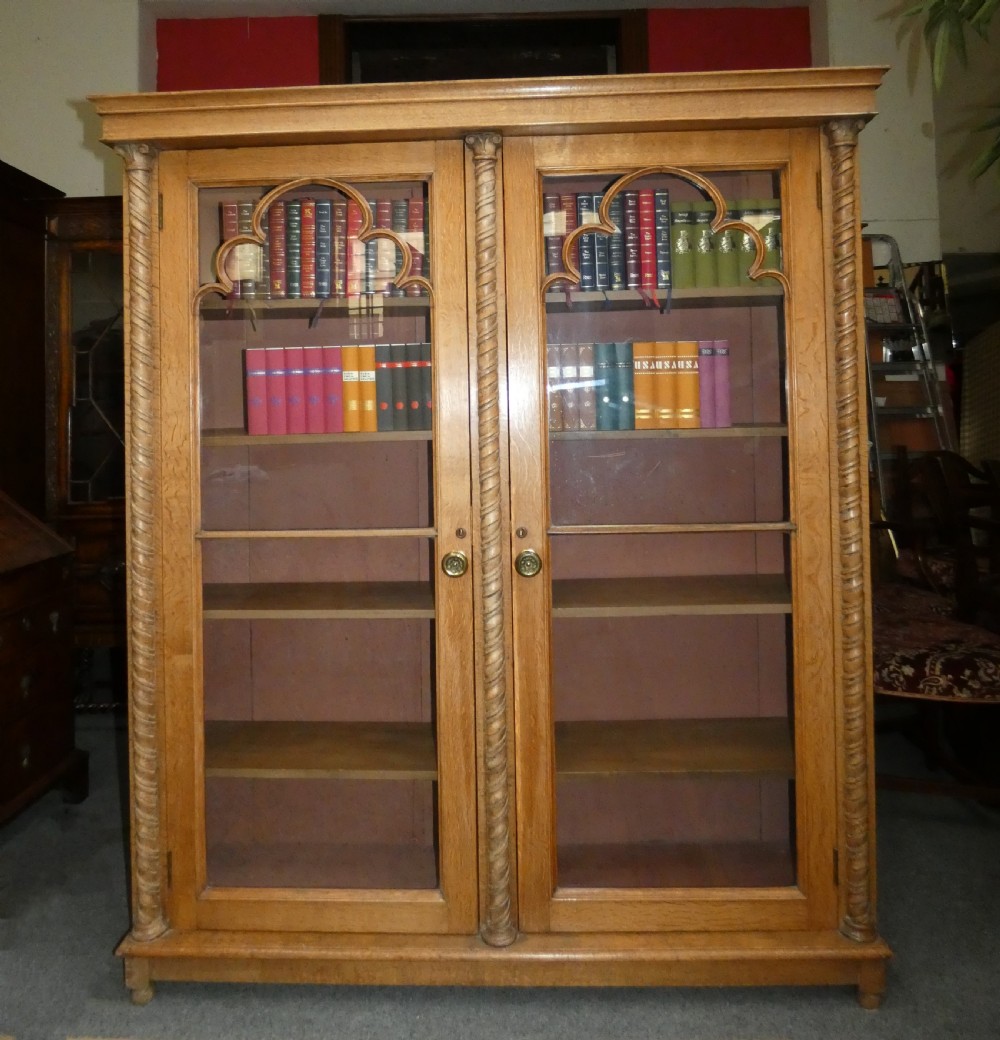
<point>698,594</point>
<point>662,865</point>
<point>321,750</point>
<point>218,307</point>
<point>743,430</point>
<point>759,746</point>
<point>405,750</point>
<point>769,292</point>
<point>219,438</point>
<point>397,599</point>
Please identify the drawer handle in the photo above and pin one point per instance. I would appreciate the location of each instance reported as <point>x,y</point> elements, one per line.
<point>528,563</point>
<point>25,756</point>
<point>455,564</point>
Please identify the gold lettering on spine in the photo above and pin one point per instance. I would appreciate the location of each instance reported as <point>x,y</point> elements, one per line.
<point>498,927</point>
<point>148,919</point>
<point>858,921</point>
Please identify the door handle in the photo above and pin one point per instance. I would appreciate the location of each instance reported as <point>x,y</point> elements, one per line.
<point>455,563</point>
<point>527,563</point>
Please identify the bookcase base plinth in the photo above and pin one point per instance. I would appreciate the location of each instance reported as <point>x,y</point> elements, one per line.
<point>688,959</point>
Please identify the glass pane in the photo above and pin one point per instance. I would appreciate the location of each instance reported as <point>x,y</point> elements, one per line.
<point>669,536</point>
<point>317,541</point>
<point>97,406</point>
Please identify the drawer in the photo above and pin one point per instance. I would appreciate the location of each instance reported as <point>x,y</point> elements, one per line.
<point>33,745</point>
<point>38,625</point>
<point>39,679</point>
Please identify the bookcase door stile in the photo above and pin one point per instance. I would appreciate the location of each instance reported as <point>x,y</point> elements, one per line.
<point>327,489</point>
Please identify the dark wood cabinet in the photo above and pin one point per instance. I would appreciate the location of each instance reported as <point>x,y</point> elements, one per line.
<point>37,744</point>
<point>85,425</point>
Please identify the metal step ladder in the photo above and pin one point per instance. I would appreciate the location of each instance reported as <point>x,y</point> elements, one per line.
<point>905,405</point>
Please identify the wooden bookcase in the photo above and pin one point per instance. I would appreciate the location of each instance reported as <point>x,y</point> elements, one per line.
<point>494,703</point>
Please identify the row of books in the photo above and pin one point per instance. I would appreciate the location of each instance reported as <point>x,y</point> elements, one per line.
<point>636,256</point>
<point>348,388</point>
<point>639,385</point>
<point>312,250</point>
<point>657,244</point>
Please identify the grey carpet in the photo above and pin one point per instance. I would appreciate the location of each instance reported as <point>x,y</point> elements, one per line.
<point>62,910</point>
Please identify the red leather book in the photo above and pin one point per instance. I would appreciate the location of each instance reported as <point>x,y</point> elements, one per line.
<point>276,234</point>
<point>415,238</point>
<point>295,389</point>
<point>229,227</point>
<point>567,201</point>
<point>277,406</point>
<point>255,376</point>
<point>315,417</point>
<point>307,248</point>
<point>647,240</point>
<point>554,233</point>
<point>333,390</point>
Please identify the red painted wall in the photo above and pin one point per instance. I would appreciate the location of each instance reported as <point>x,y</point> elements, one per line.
<point>719,38</point>
<point>202,53</point>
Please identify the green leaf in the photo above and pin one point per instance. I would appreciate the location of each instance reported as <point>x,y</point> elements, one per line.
<point>990,156</point>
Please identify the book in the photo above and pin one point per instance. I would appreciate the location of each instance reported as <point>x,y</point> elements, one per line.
<point>315,417</point>
<point>416,239</point>
<point>706,382</point>
<point>687,393</point>
<point>371,248</point>
<point>416,369</point>
<point>324,248</point>
<point>647,240</point>
<point>229,227</point>
<point>630,218</point>
<point>704,251</point>
<point>661,214</point>
<point>295,389</point>
<point>682,245</point>
<point>587,242</point>
<point>644,362</point>
<point>426,386</point>
<point>625,377</point>
<point>264,279</point>
<point>338,233</point>
<point>247,253</point>
<point>720,365</point>
<point>554,372</point>
<point>586,397</point>
<point>749,211</point>
<point>255,387</point>
<point>352,388</point>
<point>277,407</point>
<point>383,387</point>
<point>307,249</point>
<point>293,249</point>
<point>606,380</point>
<point>665,384</point>
<point>400,221</point>
<point>727,259</point>
<point>616,245</point>
<point>385,250</point>
<point>333,390</point>
<point>276,235</point>
<point>567,203</point>
<point>569,358</point>
<point>602,278</point>
<point>366,379</point>
<point>553,232</point>
<point>355,250</point>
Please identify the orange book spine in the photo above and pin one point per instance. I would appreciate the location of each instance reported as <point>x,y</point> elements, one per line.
<point>366,388</point>
<point>644,359</point>
<point>688,391</point>
<point>350,363</point>
<point>665,388</point>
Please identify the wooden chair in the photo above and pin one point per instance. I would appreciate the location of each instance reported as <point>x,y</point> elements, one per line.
<point>931,648</point>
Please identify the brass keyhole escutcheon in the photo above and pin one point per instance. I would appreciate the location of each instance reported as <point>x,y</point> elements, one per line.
<point>527,563</point>
<point>455,564</point>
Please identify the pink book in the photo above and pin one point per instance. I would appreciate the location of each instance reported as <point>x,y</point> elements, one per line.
<point>313,358</point>
<point>277,407</point>
<point>256,390</point>
<point>295,389</point>
<point>706,382</point>
<point>721,364</point>
<point>647,239</point>
<point>333,391</point>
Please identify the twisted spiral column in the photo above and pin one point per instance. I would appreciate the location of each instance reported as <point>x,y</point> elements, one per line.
<point>148,919</point>
<point>858,922</point>
<point>497,928</point>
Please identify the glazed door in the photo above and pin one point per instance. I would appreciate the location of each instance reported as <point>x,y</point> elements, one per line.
<point>671,533</point>
<point>318,597</point>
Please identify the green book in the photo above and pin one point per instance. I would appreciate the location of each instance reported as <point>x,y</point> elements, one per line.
<point>625,385</point>
<point>606,377</point>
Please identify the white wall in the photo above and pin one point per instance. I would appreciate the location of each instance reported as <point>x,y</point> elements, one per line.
<point>53,53</point>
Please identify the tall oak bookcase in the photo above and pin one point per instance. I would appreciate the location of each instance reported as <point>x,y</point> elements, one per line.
<point>490,697</point>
